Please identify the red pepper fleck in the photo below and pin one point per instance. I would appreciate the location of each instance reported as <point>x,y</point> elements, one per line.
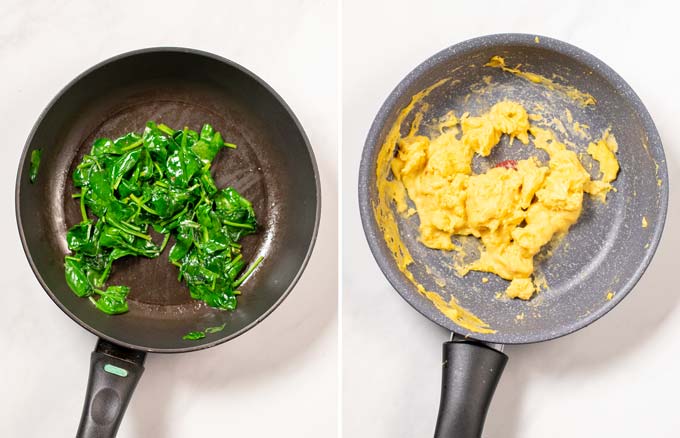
<point>508,164</point>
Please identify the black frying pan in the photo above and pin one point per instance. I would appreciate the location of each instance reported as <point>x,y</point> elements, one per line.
<point>606,252</point>
<point>273,166</point>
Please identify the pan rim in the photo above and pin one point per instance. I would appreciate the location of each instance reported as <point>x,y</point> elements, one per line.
<point>374,235</point>
<point>205,54</point>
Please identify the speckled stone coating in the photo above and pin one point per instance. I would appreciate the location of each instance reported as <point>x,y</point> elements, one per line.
<point>606,251</point>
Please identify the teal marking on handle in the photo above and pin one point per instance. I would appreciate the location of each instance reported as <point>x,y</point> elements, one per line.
<point>115,370</point>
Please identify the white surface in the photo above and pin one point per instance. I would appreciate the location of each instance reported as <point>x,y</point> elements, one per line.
<point>615,378</point>
<point>280,378</point>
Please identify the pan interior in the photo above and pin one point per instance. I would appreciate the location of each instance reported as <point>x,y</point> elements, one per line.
<point>272,167</point>
<point>604,253</point>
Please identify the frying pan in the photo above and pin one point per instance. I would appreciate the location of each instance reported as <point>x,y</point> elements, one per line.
<point>273,166</point>
<point>592,269</point>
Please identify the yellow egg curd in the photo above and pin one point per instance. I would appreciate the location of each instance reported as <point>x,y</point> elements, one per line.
<point>514,209</point>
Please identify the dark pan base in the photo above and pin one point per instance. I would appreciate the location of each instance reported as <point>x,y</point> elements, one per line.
<point>272,166</point>
<point>154,287</point>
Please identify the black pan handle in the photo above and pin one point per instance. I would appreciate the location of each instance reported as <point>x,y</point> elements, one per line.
<point>114,373</point>
<point>470,373</point>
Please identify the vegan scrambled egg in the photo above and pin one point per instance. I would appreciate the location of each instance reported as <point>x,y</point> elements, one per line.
<point>515,208</point>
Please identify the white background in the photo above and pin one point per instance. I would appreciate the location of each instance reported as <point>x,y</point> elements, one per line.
<point>618,377</point>
<point>279,379</point>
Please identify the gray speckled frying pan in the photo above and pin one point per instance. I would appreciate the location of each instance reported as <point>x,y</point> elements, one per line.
<point>606,252</point>
<point>273,166</point>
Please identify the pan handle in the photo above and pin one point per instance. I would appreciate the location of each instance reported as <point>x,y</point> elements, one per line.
<point>470,373</point>
<point>114,373</point>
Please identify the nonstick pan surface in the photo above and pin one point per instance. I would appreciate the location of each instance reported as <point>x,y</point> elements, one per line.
<point>273,166</point>
<point>604,254</point>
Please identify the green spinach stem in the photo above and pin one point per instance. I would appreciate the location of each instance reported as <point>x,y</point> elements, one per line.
<point>250,270</point>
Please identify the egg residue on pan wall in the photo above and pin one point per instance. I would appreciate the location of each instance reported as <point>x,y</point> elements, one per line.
<point>390,190</point>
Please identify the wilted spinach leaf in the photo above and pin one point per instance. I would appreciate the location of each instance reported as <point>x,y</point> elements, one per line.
<point>194,336</point>
<point>158,181</point>
<point>36,155</point>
